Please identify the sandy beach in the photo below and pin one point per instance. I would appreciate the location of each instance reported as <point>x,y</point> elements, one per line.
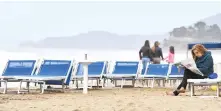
<point>126,99</point>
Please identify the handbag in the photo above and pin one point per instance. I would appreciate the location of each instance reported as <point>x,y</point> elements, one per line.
<point>213,76</point>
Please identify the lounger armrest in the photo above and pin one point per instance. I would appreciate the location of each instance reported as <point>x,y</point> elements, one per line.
<point>121,75</point>
<point>43,78</point>
<point>7,77</point>
<point>209,81</point>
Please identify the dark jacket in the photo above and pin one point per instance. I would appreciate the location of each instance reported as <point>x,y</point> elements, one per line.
<point>158,53</point>
<point>145,52</point>
<point>205,64</point>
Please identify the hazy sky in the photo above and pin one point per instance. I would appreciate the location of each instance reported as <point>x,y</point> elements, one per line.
<point>21,21</point>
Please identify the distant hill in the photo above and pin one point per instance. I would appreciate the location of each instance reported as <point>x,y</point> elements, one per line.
<point>94,40</point>
<point>216,19</point>
<point>204,30</point>
<point>107,40</point>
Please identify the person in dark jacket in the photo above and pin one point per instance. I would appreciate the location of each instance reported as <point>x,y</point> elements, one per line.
<point>157,53</point>
<point>204,62</point>
<point>145,53</point>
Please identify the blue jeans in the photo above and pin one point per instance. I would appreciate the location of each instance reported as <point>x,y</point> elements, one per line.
<point>145,60</point>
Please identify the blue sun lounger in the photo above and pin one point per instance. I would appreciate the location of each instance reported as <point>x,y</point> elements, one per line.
<point>124,70</point>
<point>95,71</point>
<point>155,72</point>
<point>15,68</point>
<point>175,74</point>
<point>51,72</point>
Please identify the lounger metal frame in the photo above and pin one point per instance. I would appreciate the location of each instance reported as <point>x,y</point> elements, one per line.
<point>6,79</point>
<point>42,80</point>
<point>97,78</point>
<point>203,82</point>
<point>146,79</point>
<point>123,77</point>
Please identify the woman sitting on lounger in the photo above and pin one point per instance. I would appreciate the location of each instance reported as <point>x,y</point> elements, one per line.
<point>204,62</point>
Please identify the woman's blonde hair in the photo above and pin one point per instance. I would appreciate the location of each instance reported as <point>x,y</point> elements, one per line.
<point>200,48</point>
<point>156,44</point>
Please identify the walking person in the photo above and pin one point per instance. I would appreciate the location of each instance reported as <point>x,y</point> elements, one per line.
<point>170,57</point>
<point>157,53</point>
<point>145,53</point>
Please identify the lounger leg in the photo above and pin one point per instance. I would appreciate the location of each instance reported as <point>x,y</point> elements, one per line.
<point>103,83</point>
<point>98,82</point>
<point>73,81</point>
<point>147,82</point>
<point>191,89</point>
<point>142,82</point>
<point>170,83</point>
<point>177,82</point>
<point>63,85</point>
<point>19,87</point>
<point>43,87</point>
<point>106,82</point>
<point>217,90</point>
<point>28,86</point>
<point>189,86</point>
<point>5,88</point>
<point>133,82</point>
<point>158,83</point>
<point>40,87</point>
<point>173,83</point>
<point>122,82</point>
<point>153,80</point>
<point>164,82</point>
<point>111,81</point>
<point>77,84</point>
<point>92,83</point>
<point>115,82</point>
<point>180,80</point>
